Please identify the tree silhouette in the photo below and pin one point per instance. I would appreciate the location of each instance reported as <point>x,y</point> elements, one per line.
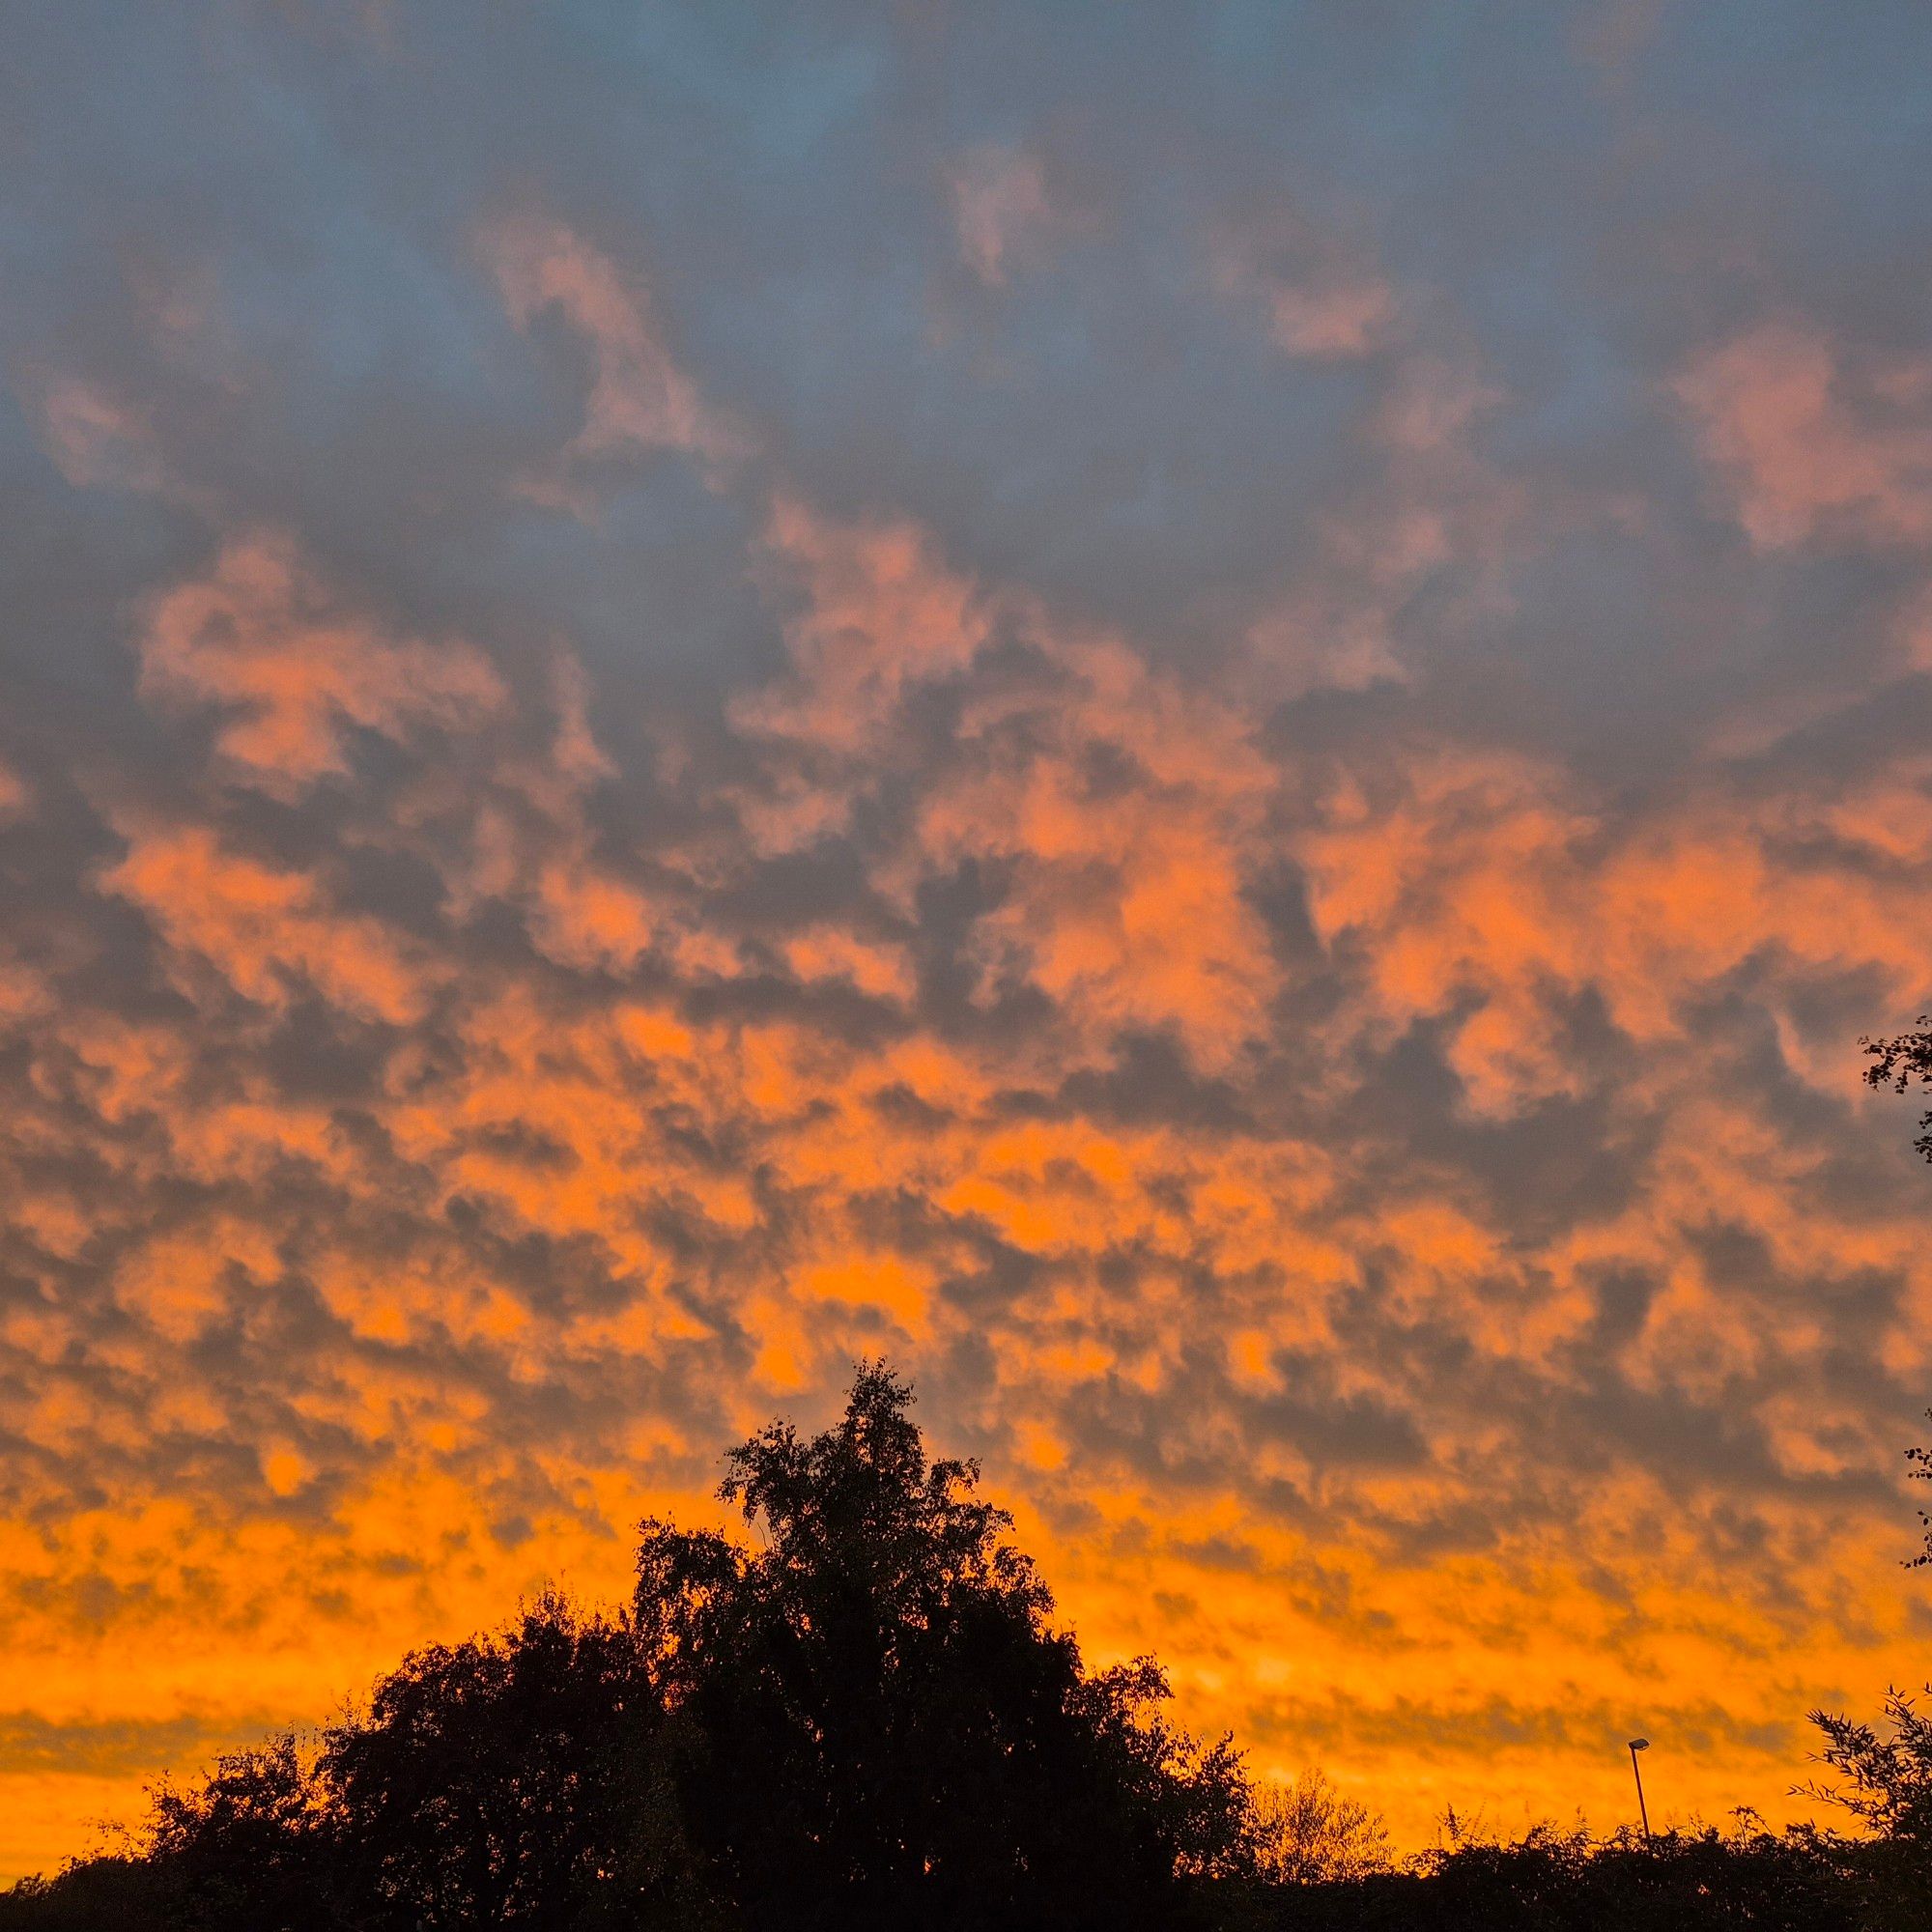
<point>1897,1063</point>
<point>1308,1833</point>
<point>495,1782</point>
<point>931,1749</point>
<point>244,1848</point>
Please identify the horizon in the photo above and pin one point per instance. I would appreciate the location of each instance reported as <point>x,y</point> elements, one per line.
<point>1214,722</point>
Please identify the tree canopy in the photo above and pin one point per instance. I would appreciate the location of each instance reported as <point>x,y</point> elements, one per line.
<point>929,1748</point>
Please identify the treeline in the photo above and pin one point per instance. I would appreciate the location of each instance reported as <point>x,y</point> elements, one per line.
<point>870,1719</point>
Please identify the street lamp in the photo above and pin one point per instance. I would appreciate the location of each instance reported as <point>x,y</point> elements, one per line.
<point>1642,1811</point>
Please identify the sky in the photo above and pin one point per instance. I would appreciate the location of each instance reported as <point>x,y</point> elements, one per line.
<point>1214,720</point>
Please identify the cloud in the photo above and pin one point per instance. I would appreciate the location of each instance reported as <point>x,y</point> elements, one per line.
<point>261,640</point>
<point>1000,214</point>
<point>1320,294</point>
<point>269,934</point>
<point>96,439</point>
<point>639,400</point>
<point>17,796</point>
<point>1123,811</point>
<point>1432,511</point>
<point>1811,442</point>
<point>442,1240</point>
<point>879,613</point>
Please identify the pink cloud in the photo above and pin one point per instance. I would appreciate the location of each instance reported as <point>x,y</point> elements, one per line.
<point>1321,294</point>
<point>639,399</point>
<point>96,440</point>
<point>17,796</point>
<point>1430,500</point>
<point>1812,441</point>
<point>1001,214</point>
<point>881,612</point>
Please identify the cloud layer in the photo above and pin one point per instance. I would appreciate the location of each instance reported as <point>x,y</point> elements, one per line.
<point>1214,743</point>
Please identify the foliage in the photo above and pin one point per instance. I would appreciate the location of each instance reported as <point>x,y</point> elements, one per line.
<point>114,1890</point>
<point>1553,1879</point>
<point>1884,1775</point>
<point>243,1847</point>
<point>1900,1060</point>
<point>1307,1832</point>
<point>931,1744</point>
<point>489,1782</point>
<point>1887,1774</point>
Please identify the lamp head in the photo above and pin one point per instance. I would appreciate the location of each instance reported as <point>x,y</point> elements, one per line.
<point>1640,1744</point>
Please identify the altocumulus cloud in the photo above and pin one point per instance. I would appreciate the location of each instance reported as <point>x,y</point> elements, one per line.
<point>1142,707</point>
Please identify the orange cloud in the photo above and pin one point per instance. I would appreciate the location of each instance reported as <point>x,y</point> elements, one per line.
<point>1488,888</point>
<point>262,642</point>
<point>1126,813</point>
<point>1333,1190</point>
<point>267,933</point>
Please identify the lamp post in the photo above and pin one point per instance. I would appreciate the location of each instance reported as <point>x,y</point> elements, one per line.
<point>1642,1810</point>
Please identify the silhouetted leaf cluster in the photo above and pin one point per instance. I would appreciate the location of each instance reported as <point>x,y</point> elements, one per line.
<point>1898,1062</point>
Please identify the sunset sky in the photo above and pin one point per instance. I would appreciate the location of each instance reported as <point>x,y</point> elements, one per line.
<point>1213,719</point>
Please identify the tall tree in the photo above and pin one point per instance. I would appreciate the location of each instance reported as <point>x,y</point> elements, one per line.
<point>894,1733</point>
